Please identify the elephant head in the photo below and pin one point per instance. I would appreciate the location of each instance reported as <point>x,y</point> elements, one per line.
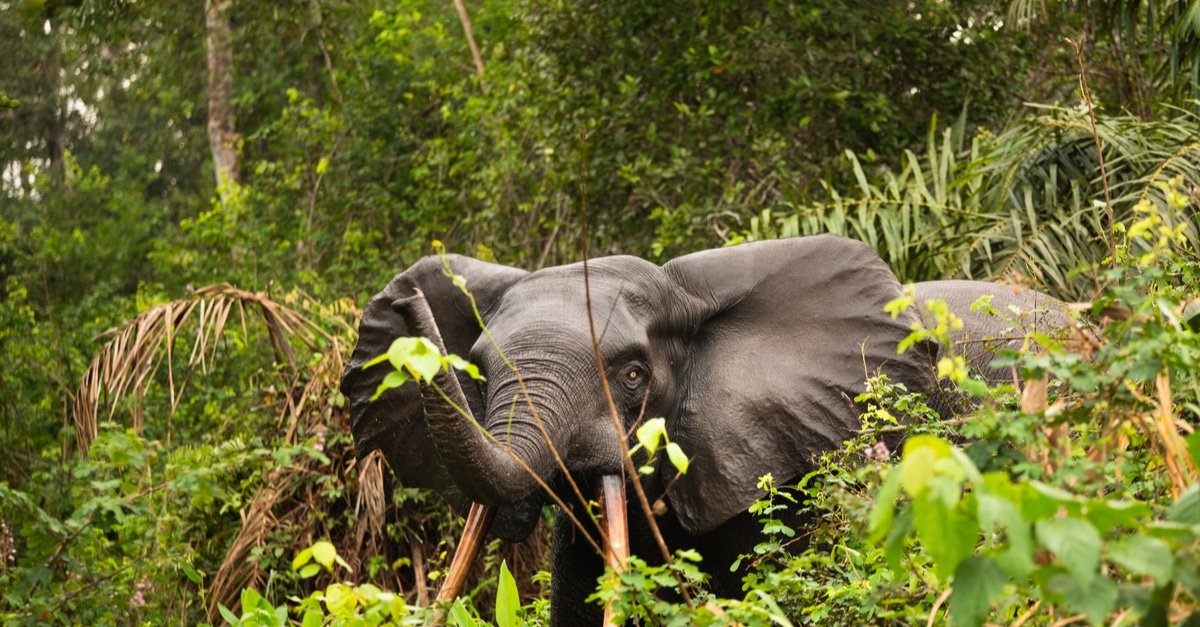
<point>752,354</point>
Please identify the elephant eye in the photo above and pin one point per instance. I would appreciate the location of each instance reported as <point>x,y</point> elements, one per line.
<point>634,376</point>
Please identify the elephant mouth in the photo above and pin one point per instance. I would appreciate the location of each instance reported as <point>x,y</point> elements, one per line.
<point>613,523</point>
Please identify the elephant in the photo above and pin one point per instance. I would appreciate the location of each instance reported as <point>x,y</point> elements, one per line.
<point>752,354</point>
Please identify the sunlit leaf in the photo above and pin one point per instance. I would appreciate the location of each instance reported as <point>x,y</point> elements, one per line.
<point>324,553</point>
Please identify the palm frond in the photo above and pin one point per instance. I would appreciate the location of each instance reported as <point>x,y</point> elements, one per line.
<point>1027,205</point>
<point>125,367</point>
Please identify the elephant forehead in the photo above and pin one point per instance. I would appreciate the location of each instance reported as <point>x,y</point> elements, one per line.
<point>617,286</point>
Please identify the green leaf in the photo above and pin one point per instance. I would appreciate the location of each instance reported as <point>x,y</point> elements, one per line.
<point>459,363</point>
<point>1193,441</point>
<point>190,573</point>
<point>400,350</point>
<point>996,514</point>
<point>1105,515</point>
<point>229,616</point>
<point>1187,509</point>
<point>1097,600</point>
<point>378,360</point>
<point>424,361</point>
<point>1076,543</point>
<point>302,558</point>
<point>312,619</point>
<point>324,553</point>
<point>650,432</point>
<point>461,616</point>
<point>398,608</point>
<point>340,599</point>
<point>948,533</point>
<point>920,461</point>
<point>893,549</point>
<point>393,379</point>
<point>507,599</point>
<point>880,519</point>
<point>309,570</point>
<point>1143,555</point>
<point>977,582</point>
<point>1039,501</point>
<point>677,457</point>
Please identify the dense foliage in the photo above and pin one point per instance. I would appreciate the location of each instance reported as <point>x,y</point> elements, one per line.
<point>168,448</point>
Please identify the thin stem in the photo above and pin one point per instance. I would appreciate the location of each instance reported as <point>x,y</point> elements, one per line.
<point>537,419</point>
<point>631,471</point>
<point>517,458</point>
<point>1087,97</point>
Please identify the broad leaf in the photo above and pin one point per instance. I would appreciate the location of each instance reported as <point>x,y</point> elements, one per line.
<point>649,433</point>
<point>977,582</point>
<point>948,533</point>
<point>1187,509</point>
<point>1097,600</point>
<point>1076,544</point>
<point>324,553</point>
<point>1143,555</point>
<point>996,514</point>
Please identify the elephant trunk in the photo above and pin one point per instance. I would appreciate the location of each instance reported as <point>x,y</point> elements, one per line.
<point>486,471</point>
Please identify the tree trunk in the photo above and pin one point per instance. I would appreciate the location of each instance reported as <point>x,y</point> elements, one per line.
<point>52,112</point>
<point>222,137</point>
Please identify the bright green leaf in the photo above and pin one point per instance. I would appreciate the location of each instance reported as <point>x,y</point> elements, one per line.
<point>424,361</point>
<point>229,616</point>
<point>507,599</point>
<point>393,379</point>
<point>340,598</point>
<point>400,350</point>
<point>312,619</point>
<point>461,616</point>
<point>916,469</point>
<point>324,553</point>
<point>893,549</point>
<point>302,558</point>
<point>677,457</point>
<point>650,432</point>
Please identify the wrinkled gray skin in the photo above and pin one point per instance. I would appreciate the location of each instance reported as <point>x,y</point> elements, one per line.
<point>752,354</point>
<point>1018,311</point>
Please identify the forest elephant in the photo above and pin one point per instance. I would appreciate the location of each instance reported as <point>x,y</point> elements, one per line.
<point>752,354</point>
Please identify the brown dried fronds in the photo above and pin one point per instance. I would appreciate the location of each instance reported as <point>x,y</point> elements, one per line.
<point>126,365</point>
<point>371,504</point>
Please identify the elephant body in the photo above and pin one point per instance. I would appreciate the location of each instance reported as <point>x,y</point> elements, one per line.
<point>751,354</point>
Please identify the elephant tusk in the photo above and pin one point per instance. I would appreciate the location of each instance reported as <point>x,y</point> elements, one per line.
<point>612,507</point>
<point>479,519</point>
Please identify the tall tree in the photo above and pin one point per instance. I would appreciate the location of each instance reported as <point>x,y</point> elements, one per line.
<point>222,137</point>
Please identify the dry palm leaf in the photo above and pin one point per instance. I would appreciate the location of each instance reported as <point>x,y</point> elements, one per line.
<point>127,364</point>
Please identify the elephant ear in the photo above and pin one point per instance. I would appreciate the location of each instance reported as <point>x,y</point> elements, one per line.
<point>395,423</point>
<point>789,331</point>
